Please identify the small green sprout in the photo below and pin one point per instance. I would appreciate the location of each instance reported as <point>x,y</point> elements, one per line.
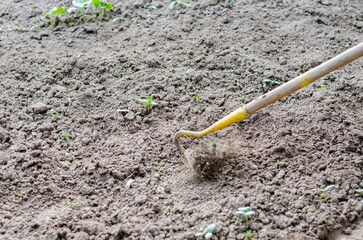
<point>101,6</point>
<point>52,111</point>
<point>243,99</point>
<point>249,91</point>
<point>47,15</point>
<point>34,28</point>
<point>66,137</point>
<point>267,83</point>
<point>70,204</point>
<point>322,86</point>
<point>264,23</point>
<point>249,234</point>
<point>152,8</point>
<point>324,190</point>
<point>359,191</point>
<point>20,195</point>
<point>245,212</point>
<point>174,3</point>
<point>148,102</point>
<point>118,19</point>
<point>208,232</point>
<point>82,180</point>
<point>267,161</point>
<point>156,163</point>
<point>198,96</point>
<point>73,161</point>
<point>312,62</point>
<point>82,4</point>
<point>168,211</point>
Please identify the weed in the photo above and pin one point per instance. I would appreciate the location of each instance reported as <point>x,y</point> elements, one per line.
<point>267,83</point>
<point>198,96</point>
<point>322,86</point>
<point>60,10</point>
<point>118,19</point>
<point>148,102</point>
<point>267,161</point>
<point>168,211</point>
<point>152,8</point>
<point>245,212</point>
<point>66,137</point>
<point>208,232</point>
<point>47,15</point>
<point>324,191</point>
<point>180,3</point>
<point>101,6</point>
<point>82,4</point>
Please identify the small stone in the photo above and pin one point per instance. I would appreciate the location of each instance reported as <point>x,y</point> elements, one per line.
<point>86,190</point>
<point>39,107</point>
<point>141,199</point>
<point>4,158</point>
<point>130,116</point>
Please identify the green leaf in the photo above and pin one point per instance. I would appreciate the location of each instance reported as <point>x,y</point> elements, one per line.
<point>211,228</point>
<point>108,6</point>
<point>328,187</point>
<point>47,14</point>
<point>208,235</point>
<point>56,10</point>
<point>358,191</point>
<point>322,86</point>
<point>97,3</point>
<point>33,28</point>
<point>249,234</point>
<point>152,8</point>
<point>249,91</point>
<point>249,213</point>
<point>245,209</point>
<point>81,3</point>
<point>66,137</point>
<point>172,5</point>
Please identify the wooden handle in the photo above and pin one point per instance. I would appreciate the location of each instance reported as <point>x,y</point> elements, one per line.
<point>305,79</point>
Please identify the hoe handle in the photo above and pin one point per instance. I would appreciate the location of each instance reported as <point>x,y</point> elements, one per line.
<point>276,94</point>
<point>305,79</point>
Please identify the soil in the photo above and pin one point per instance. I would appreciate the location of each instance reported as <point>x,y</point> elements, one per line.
<point>120,177</point>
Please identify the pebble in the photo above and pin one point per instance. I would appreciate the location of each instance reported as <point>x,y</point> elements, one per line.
<point>39,107</point>
<point>129,116</point>
<point>4,158</point>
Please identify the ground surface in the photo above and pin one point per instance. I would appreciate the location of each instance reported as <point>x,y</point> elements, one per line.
<point>120,176</point>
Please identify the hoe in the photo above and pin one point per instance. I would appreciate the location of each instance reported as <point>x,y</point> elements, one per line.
<point>271,97</point>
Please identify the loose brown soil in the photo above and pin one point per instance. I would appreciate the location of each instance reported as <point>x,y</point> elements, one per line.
<point>121,177</point>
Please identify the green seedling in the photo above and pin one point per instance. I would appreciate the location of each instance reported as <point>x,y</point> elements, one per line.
<point>267,161</point>
<point>249,91</point>
<point>245,212</point>
<point>60,10</point>
<point>52,111</point>
<point>168,211</point>
<point>148,102</point>
<point>82,4</point>
<point>20,195</point>
<point>156,163</point>
<point>267,83</point>
<point>180,3</point>
<point>264,23</point>
<point>198,96</point>
<point>359,191</point>
<point>243,99</point>
<point>118,19</point>
<point>249,234</point>
<point>322,86</point>
<point>70,204</point>
<point>66,137</point>
<point>152,8</point>
<point>101,6</point>
<point>324,191</point>
<point>47,15</point>
<point>208,232</point>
